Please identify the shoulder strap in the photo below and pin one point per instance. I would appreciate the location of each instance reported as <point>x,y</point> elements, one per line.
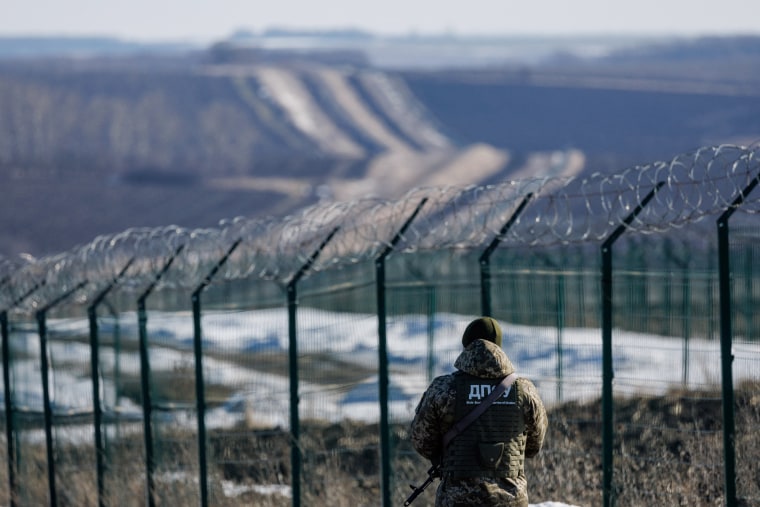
<point>478,410</point>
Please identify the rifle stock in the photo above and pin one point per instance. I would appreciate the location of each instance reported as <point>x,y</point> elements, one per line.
<point>433,472</point>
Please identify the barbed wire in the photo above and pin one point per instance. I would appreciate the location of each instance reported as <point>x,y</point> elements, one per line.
<point>553,211</point>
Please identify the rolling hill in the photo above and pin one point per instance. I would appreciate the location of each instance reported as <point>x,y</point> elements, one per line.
<point>96,145</point>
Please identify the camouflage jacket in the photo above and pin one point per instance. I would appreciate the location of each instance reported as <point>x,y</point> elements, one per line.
<point>435,416</point>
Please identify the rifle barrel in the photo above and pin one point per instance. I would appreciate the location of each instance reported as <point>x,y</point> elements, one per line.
<point>433,472</point>
<point>418,490</point>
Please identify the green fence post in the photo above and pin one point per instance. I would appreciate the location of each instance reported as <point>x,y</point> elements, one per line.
<point>485,259</point>
<point>382,351</point>
<point>295,423</point>
<point>200,391</point>
<point>9,427</point>
<point>607,370</point>
<point>727,358</point>
<point>726,339</point>
<point>48,411</point>
<point>142,322</point>
<point>97,409</point>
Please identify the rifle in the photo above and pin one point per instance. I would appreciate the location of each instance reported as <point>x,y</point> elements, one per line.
<point>435,471</point>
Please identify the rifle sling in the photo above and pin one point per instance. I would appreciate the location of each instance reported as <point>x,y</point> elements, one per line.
<point>479,409</point>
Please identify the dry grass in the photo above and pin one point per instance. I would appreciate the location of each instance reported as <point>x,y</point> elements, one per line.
<point>668,451</point>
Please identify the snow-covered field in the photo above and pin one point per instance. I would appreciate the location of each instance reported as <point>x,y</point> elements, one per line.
<point>644,364</point>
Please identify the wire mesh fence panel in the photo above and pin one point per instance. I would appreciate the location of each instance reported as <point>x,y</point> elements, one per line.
<point>70,395</point>
<point>747,365</point>
<point>122,444</point>
<point>745,259</point>
<point>548,304</point>
<point>31,476</point>
<point>27,420</point>
<point>173,423</point>
<point>245,387</point>
<point>338,386</point>
<point>668,417</point>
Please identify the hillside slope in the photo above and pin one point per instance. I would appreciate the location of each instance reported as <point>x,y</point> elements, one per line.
<point>89,149</point>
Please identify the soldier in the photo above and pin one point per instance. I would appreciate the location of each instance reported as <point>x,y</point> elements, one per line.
<point>484,464</point>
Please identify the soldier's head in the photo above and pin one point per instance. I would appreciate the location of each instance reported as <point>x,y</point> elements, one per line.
<point>483,328</point>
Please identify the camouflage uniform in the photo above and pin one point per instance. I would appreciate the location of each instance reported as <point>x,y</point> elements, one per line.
<point>435,416</point>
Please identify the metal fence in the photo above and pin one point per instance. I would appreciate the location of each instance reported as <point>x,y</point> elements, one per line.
<point>282,358</point>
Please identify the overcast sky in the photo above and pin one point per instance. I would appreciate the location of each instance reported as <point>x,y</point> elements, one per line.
<point>203,21</point>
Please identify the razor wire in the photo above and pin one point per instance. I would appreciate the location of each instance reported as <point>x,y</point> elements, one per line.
<point>561,211</point>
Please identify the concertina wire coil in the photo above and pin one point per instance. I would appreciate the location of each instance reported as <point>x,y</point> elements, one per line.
<point>559,211</point>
